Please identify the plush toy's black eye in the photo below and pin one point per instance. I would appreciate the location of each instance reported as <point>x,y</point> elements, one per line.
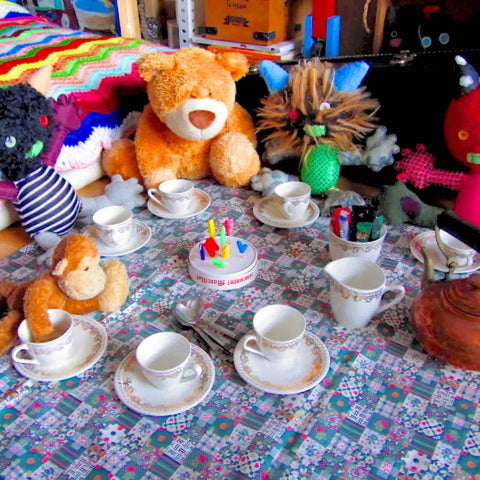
<point>86,269</point>
<point>10,141</point>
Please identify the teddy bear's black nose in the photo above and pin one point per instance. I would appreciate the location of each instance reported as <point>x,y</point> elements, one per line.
<point>201,119</point>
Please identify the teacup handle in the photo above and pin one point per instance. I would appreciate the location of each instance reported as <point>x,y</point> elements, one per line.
<point>196,370</point>
<point>249,338</point>
<point>286,205</point>
<point>19,348</point>
<point>400,289</point>
<point>153,194</point>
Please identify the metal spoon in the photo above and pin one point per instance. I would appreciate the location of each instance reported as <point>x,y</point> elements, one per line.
<point>202,334</point>
<point>177,326</point>
<point>193,311</point>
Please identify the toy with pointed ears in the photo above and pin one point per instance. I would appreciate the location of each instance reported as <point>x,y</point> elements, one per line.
<point>314,112</point>
<point>462,136</point>
<point>31,135</point>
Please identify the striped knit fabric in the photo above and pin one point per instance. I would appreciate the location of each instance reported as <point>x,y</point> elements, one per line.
<point>46,202</point>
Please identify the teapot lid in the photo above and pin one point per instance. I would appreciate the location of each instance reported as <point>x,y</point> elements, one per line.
<point>465,294</point>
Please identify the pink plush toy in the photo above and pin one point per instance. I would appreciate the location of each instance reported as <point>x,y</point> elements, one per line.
<point>417,168</point>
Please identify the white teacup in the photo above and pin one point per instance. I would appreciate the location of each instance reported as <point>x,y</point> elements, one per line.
<point>356,290</point>
<point>47,354</point>
<point>340,248</point>
<point>114,225</point>
<point>293,198</point>
<point>279,330</point>
<point>165,360</point>
<point>455,249</point>
<point>173,195</point>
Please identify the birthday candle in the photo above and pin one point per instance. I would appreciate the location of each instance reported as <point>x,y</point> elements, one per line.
<point>223,237</point>
<point>211,228</point>
<point>202,251</point>
<point>229,225</point>
<point>226,251</point>
<point>218,262</point>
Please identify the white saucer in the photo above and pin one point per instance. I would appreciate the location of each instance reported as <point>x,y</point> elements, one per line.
<point>141,234</point>
<point>268,211</point>
<point>307,369</point>
<point>200,202</point>
<point>142,397</point>
<point>427,239</point>
<point>90,341</point>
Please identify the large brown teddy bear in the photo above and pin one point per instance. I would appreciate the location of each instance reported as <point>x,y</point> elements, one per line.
<point>192,127</point>
<point>77,283</point>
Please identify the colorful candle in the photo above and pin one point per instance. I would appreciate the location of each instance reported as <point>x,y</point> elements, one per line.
<point>229,226</point>
<point>202,251</point>
<point>226,251</point>
<point>218,262</point>
<point>211,228</point>
<point>223,236</point>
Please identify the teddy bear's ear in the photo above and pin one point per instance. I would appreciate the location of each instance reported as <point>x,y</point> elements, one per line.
<point>235,63</point>
<point>151,64</point>
<point>60,267</point>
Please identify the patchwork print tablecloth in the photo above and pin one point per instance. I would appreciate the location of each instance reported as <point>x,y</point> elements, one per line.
<point>385,410</point>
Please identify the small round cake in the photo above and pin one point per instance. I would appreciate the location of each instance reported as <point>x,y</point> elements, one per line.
<point>240,268</point>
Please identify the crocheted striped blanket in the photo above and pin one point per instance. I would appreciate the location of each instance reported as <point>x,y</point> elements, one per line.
<point>100,72</point>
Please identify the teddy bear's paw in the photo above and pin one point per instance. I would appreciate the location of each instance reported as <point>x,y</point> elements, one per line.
<point>234,160</point>
<point>125,192</point>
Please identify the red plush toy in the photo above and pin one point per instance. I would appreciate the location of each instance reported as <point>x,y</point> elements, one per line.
<point>462,134</point>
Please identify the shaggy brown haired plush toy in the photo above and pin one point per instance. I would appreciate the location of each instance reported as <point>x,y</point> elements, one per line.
<point>318,105</point>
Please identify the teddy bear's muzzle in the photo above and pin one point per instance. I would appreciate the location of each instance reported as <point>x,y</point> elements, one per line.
<point>201,119</point>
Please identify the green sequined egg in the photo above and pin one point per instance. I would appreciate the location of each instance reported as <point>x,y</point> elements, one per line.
<point>321,168</point>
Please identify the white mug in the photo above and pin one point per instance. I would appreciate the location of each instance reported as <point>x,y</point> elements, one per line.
<point>49,353</point>
<point>356,290</point>
<point>279,330</point>
<point>293,198</point>
<point>454,249</point>
<point>114,225</point>
<point>165,360</point>
<point>173,195</point>
<point>340,248</point>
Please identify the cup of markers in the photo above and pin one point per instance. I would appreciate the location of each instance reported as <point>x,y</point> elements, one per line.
<point>356,232</point>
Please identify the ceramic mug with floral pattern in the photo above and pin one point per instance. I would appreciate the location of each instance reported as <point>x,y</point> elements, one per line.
<point>175,195</point>
<point>278,332</point>
<point>165,360</point>
<point>340,248</point>
<point>293,199</point>
<point>357,287</point>
<point>114,225</point>
<point>51,353</point>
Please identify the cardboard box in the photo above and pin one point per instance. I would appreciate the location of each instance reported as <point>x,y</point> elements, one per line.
<point>261,22</point>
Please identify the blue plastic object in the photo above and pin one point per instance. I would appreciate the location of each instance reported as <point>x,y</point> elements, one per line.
<point>332,48</point>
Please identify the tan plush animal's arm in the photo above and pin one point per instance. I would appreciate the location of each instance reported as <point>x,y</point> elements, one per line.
<point>40,296</point>
<point>116,288</point>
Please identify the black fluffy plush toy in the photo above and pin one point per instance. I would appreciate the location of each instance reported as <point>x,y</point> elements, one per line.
<point>31,136</point>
